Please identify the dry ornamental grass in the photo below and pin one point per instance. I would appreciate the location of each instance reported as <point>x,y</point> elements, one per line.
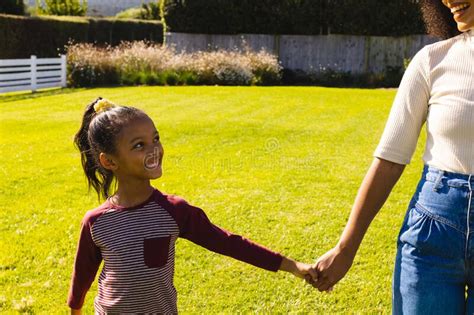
<point>142,63</point>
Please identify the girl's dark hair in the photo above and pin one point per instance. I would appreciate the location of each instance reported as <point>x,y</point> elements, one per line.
<point>99,133</point>
<point>438,19</point>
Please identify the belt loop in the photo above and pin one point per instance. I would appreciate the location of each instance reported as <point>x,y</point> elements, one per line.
<point>438,183</point>
<point>470,180</point>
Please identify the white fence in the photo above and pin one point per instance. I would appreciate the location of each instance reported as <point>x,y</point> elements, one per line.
<point>32,74</point>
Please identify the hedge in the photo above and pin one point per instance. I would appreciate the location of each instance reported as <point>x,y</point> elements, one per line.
<point>21,37</point>
<point>296,17</point>
<point>243,16</point>
<point>16,7</point>
<point>377,18</point>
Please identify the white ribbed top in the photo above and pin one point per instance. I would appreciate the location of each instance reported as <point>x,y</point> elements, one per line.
<point>437,88</point>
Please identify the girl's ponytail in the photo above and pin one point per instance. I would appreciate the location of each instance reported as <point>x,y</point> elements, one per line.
<point>81,140</point>
<point>101,126</point>
<point>97,177</point>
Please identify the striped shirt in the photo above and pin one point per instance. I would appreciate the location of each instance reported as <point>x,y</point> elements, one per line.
<point>137,245</point>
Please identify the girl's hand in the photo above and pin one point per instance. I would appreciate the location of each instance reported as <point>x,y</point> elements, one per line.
<point>76,312</point>
<point>300,270</point>
<point>332,267</point>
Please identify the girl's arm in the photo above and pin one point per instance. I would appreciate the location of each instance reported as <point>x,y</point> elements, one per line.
<point>195,226</point>
<point>374,191</point>
<point>86,264</point>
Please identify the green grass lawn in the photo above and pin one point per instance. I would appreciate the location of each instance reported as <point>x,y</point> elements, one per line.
<point>280,165</point>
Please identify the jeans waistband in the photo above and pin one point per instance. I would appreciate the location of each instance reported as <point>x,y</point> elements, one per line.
<point>431,173</point>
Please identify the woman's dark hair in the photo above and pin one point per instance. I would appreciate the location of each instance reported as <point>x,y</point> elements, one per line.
<point>99,133</point>
<point>438,19</point>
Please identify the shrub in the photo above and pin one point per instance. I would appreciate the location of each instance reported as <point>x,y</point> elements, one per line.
<point>15,7</point>
<point>88,66</point>
<point>151,11</point>
<point>266,69</point>
<point>64,7</point>
<point>148,11</point>
<point>232,73</point>
<point>132,13</point>
<point>391,77</point>
<point>46,36</point>
<point>133,63</point>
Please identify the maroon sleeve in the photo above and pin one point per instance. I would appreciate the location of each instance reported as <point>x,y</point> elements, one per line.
<point>86,264</point>
<point>195,226</point>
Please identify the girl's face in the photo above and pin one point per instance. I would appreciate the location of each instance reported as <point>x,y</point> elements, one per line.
<point>463,13</point>
<point>139,150</point>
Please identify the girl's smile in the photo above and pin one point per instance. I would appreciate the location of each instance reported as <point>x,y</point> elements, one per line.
<point>140,152</point>
<point>153,160</point>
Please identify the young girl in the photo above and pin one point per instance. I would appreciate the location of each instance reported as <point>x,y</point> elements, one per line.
<point>134,231</point>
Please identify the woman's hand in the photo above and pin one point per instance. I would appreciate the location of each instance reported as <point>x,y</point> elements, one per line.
<point>332,267</point>
<point>76,312</point>
<point>299,269</point>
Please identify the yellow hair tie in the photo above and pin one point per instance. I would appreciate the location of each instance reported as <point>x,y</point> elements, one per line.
<point>103,105</point>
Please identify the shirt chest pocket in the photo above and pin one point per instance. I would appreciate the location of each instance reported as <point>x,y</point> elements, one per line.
<point>156,251</point>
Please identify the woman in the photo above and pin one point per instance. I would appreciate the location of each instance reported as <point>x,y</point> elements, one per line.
<point>435,253</point>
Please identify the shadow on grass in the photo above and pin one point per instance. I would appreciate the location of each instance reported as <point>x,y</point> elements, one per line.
<point>17,96</point>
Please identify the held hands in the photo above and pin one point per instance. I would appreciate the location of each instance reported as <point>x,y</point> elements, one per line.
<point>300,270</point>
<point>325,273</point>
<point>330,268</point>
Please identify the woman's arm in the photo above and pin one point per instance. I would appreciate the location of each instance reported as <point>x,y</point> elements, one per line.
<point>374,191</point>
<point>398,143</point>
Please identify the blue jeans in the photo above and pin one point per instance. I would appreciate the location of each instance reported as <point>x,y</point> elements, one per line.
<point>434,267</point>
